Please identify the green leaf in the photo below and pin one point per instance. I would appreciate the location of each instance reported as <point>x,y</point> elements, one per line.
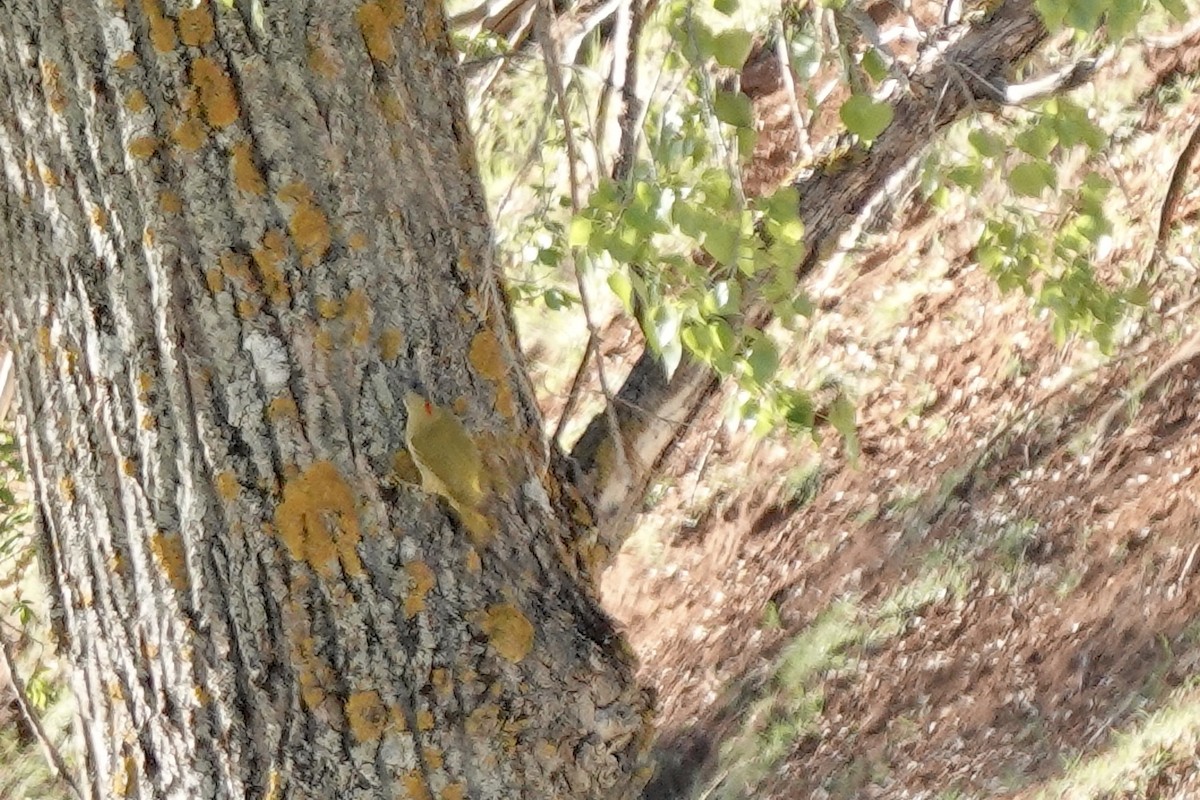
<point>1176,8</point>
<point>580,232</point>
<point>731,47</point>
<point>763,360</point>
<point>1123,17</point>
<point>987,144</point>
<point>733,108</point>
<point>841,416</point>
<point>722,242</point>
<point>968,175</point>
<point>726,7</point>
<point>874,65</point>
<point>1037,141</point>
<point>798,411</point>
<point>1084,15</point>
<point>1031,178</point>
<point>1053,12</point>
<point>865,118</point>
<point>618,281</point>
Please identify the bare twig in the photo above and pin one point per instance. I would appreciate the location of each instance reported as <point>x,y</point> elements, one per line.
<point>804,151</point>
<point>554,76</point>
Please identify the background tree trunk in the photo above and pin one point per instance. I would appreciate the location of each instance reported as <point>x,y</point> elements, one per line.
<point>235,238</point>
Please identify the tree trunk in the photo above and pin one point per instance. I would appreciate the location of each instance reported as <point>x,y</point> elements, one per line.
<point>236,237</point>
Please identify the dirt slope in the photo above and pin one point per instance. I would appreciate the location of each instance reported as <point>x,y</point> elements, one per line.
<point>991,602</point>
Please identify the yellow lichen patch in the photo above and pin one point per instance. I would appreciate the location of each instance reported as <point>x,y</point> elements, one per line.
<point>358,314</point>
<point>328,308</point>
<point>310,231</point>
<point>190,135</point>
<point>148,423</point>
<point>396,715</point>
<point>319,61</point>
<point>245,173</point>
<point>323,341</point>
<point>236,267</point>
<point>227,485</point>
<point>143,147</point>
<point>50,178</point>
<point>425,721</point>
<point>52,87</point>
<point>217,96</point>
<point>414,785</point>
<point>162,30</point>
<point>127,60</point>
<point>483,722</point>
<point>170,203</point>
<point>357,240</point>
<point>486,356</point>
<point>376,33</point>
<point>314,675</point>
<point>66,485</point>
<point>439,679</point>
<point>149,237</point>
<point>168,552</point>
<point>391,106</point>
<point>196,25</point>
<point>268,256</point>
<point>391,342</point>
<point>433,758</point>
<point>508,631</point>
<point>145,382</point>
<point>200,695</point>
<point>128,467</point>
<point>318,520</point>
<point>454,791</point>
<point>421,580</point>
<point>367,715</point>
<point>282,408</point>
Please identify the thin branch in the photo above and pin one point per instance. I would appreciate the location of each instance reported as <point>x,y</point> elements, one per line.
<point>53,757</point>
<point>632,112</point>
<point>554,77</point>
<point>804,150</point>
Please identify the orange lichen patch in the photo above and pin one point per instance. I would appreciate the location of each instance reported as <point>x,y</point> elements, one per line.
<point>414,785</point>
<point>328,308</point>
<point>127,60</point>
<point>509,632</point>
<point>196,25</point>
<point>145,382</point>
<point>506,404</point>
<point>434,29</point>
<point>439,679</point>
<point>484,721</point>
<point>50,178</point>
<point>190,135</point>
<point>170,203</point>
<point>123,777</point>
<point>315,673</point>
<point>162,30</point>
<point>318,520</point>
<point>358,314</point>
<point>245,173</point>
<point>376,32</point>
<point>149,237</point>
<point>168,552</point>
<point>486,356</point>
<point>135,101</point>
<point>433,758</point>
<point>282,408</point>
<point>66,485</point>
<point>310,230</point>
<point>248,307</point>
<point>394,9</point>
<point>52,87</point>
<point>143,147</point>
<point>396,715</point>
<point>217,96</point>
<point>454,791</point>
<point>421,579</point>
<point>357,240</point>
<point>148,423</point>
<point>425,721</point>
<point>128,467</point>
<point>227,485</point>
<point>474,563</point>
<point>268,256</point>
<point>367,715</point>
<point>236,267</point>
<point>391,342</point>
<point>215,280</point>
<point>99,217</point>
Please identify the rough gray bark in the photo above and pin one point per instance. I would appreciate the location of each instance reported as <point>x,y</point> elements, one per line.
<point>966,74</point>
<point>233,239</point>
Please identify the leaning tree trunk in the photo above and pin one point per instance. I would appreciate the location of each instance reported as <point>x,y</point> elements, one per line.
<point>233,239</point>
